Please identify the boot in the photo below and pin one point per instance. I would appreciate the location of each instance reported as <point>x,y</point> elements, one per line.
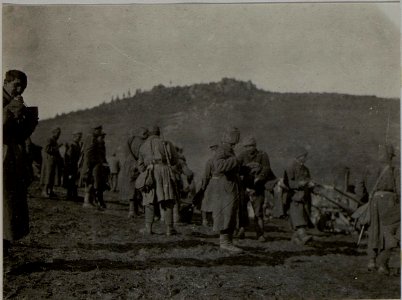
<point>371,266</point>
<point>225,243</point>
<point>99,199</point>
<point>176,215</point>
<point>87,200</point>
<point>241,233</point>
<point>204,219</point>
<point>168,212</point>
<point>149,219</point>
<point>259,229</point>
<point>131,211</point>
<point>303,236</point>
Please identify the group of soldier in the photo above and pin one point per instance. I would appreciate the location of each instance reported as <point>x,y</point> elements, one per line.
<point>154,175</point>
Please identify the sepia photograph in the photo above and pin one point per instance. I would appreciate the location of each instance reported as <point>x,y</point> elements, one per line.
<point>201,151</point>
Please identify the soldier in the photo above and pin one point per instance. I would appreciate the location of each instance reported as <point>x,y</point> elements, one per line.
<point>95,170</point>
<point>224,189</point>
<point>255,170</point>
<point>298,182</point>
<point>19,122</point>
<point>50,159</point>
<point>114,172</point>
<point>206,205</point>
<point>71,158</point>
<point>157,181</point>
<point>130,171</point>
<point>382,180</point>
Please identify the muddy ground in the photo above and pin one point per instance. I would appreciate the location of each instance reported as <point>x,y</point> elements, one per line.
<point>76,253</point>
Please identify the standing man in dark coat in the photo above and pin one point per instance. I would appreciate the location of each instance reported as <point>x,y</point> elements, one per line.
<point>298,182</point>
<point>19,122</point>
<point>224,189</point>
<point>382,182</point>
<point>71,158</point>
<point>95,170</point>
<point>130,171</point>
<point>156,159</point>
<point>50,158</point>
<point>255,170</point>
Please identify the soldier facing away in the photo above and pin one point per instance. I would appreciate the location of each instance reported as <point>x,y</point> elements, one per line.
<point>130,171</point>
<point>19,122</point>
<point>71,159</point>
<point>157,181</point>
<point>255,170</point>
<point>50,159</point>
<point>224,189</point>
<point>95,170</point>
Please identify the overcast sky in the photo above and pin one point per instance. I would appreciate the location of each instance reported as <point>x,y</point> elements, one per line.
<point>79,56</point>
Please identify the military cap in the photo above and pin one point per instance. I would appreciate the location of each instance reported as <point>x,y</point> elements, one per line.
<point>231,135</point>
<point>142,132</point>
<point>77,133</point>
<point>250,141</point>
<point>98,131</point>
<point>56,130</point>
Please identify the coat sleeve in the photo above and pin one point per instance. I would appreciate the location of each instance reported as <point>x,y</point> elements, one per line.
<point>224,163</point>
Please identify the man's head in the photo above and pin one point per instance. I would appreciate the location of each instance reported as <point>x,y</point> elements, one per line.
<point>231,136</point>
<point>77,136</point>
<point>213,147</point>
<point>301,155</point>
<point>250,144</point>
<point>56,133</point>
<point>15,82</point>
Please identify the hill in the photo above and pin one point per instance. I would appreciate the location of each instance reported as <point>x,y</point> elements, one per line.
<point>338,129</point>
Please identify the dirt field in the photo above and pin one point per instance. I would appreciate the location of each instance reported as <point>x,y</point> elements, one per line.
<point>76,253</point>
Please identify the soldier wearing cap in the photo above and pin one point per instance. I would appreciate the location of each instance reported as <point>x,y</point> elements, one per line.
<point>157,180</point>
<point>130,171</point>
<point>50,159</point>
<point>19,122</point>
<point>381,181</point>
<point>71,159</point>
<point>94,170</point>
<point>206,205</point>
<point>224,190</point>
<point>255,170</point>
<point>298,182</point>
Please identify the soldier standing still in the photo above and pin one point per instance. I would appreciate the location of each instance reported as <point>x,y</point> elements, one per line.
<point>255,169</point>
<point>94,170</point>
<point>71,158</point>
<point>297,180</point>
<point>19,122</point>
<point>114,172</point>
<point>156,158</point>
<point>130,171</point>
<point>50,159</point>
<point>382,180</point>
<point>224,189</point>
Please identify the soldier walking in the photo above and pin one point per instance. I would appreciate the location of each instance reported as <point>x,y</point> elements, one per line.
<point>224,190</point>
<point>19,122</point>
<point>95,170</point>
<point>50,159</point>
<point>71,159</point>
<point>157,181</point>
<point>255,170</point>
<point>298,182</point>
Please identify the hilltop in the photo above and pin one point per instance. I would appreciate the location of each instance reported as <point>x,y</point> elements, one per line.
<point>338,129</point>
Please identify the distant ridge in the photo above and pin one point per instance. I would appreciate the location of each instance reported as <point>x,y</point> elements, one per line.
<point>339,129</point>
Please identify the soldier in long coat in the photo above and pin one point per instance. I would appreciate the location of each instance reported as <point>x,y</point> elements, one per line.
<point>50,159</point>
<point>130,171</point>
<point>71,158</point>
<point>19,122</point>
<point>156,159</point>
<point>381,181</point>
<point>95,171</point>
<point>255,169</point>
<point>298,182</point>
<point>206,205</point>
<point>224,190</point>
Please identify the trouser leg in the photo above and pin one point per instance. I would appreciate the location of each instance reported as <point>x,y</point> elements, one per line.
<point>131,210</point>
<point>149,218</point>
<point>167,208</point>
